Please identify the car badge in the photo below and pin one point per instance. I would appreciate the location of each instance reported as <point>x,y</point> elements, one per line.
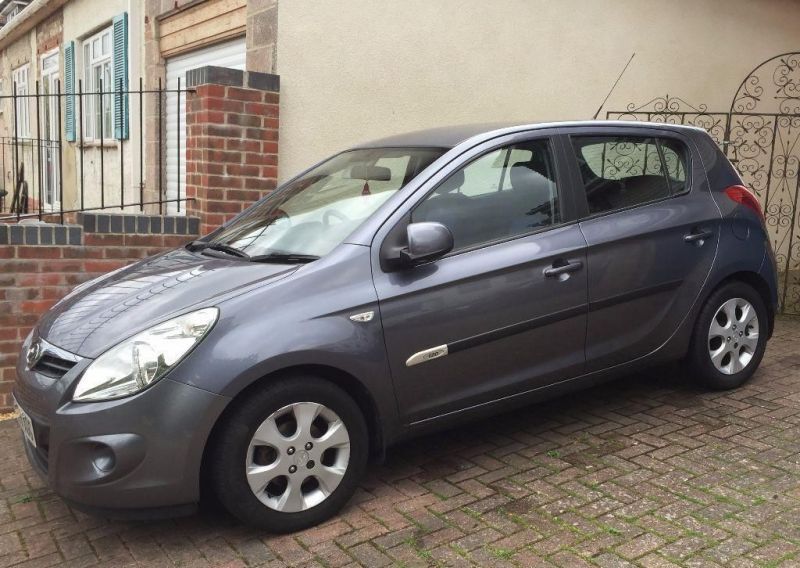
<point>427,355</point>
<point>34,354</point>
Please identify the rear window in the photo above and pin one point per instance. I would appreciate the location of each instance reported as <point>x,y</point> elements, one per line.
<point>624,171</point>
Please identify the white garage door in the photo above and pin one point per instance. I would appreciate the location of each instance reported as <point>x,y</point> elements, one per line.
<point>229,54</point>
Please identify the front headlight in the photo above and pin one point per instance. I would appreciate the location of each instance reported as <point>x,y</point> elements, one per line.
<point>141,360</point>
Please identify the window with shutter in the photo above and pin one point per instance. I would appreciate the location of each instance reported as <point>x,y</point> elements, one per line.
<point>98,108</point>
<point>120,63</point>
<point>69,88</point>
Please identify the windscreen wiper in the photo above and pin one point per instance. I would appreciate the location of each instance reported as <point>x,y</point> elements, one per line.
<point>287,257</point>
<point>219,247</point>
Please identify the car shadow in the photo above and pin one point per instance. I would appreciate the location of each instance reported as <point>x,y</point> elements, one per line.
<point>629,394</point>
<point>577,429</point>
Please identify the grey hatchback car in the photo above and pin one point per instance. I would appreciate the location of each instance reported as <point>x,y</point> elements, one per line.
<point>397,287</point>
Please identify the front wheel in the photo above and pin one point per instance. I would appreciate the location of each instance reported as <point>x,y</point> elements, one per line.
<point>290,455</point>
<point>730,337</point>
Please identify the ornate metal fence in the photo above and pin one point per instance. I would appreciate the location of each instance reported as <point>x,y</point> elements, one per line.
<point>760,134</point>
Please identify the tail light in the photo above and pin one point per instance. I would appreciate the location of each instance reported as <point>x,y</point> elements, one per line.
<point>740,194</point>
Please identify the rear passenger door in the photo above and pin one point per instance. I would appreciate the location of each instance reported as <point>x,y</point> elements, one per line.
<point>651,228</point>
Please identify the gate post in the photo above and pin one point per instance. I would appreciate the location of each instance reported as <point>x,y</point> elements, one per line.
<point>232,120</point>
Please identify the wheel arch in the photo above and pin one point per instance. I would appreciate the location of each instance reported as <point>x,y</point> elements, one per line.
<point>758,283</point>
<point>344,380</point>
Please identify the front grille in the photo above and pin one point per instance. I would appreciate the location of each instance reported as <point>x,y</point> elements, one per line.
<point>52,366</point>
<point>49,360</point>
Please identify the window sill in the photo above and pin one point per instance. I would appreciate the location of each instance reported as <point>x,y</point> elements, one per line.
<point>107,143</point>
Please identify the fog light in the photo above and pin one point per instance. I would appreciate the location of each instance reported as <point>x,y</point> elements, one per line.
<point>104,459</point>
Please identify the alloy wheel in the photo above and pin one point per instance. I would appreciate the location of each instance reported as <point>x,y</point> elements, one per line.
<point>297,457</point>
<point>733,336</point>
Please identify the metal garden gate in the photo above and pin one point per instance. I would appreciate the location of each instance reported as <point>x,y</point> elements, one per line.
<point>760,134</point>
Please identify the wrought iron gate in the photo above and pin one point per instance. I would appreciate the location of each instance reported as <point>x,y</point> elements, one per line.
<point>760,134</point>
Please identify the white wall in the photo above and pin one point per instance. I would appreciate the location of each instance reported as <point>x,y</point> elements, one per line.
<point>353,70</point>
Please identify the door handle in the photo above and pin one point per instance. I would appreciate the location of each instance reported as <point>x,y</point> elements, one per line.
<point>698,235</point>
<point>562,267</point>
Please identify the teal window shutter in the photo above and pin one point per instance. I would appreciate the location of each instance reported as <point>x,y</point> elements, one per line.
<point>69,90</point>
<point>120,63</point>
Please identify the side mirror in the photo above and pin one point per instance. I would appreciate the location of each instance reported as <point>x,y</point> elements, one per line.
<point>426,241</point>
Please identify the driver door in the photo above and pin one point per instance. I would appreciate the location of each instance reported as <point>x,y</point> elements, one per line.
<point>505,311</point>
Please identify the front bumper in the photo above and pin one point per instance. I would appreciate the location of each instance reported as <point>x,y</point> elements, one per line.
<point>140,452</point>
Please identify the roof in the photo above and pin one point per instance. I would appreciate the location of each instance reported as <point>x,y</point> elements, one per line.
<point>441,137</point>
<point>451,136</point>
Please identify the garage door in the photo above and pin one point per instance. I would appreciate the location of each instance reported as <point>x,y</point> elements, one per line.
<point>229,54</point>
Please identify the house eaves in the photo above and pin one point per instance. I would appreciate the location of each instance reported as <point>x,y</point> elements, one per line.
<point>27,19</point>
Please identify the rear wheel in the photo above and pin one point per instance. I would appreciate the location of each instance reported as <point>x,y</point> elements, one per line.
<point>291,455</point>
<point>730,337</point>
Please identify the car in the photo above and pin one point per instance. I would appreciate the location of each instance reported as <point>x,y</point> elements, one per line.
<point>398,287</point>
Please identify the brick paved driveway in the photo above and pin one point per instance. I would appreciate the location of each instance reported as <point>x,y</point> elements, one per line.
<point>646,471</point>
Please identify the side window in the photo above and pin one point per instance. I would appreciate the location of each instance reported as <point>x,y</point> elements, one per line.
<point>624,171</point>
<point>504,193</point>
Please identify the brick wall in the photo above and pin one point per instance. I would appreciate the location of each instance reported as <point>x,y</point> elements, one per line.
<point>232,121</point>
<point>39,264</point>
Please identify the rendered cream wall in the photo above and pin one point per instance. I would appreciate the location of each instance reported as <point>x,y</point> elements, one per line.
<point>83,18</point>
<point>354,70</point>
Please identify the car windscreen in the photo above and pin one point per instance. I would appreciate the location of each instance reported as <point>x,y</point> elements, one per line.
<point>316,211</point>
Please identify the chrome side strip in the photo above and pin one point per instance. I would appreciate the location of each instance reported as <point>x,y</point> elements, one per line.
<point>427,355</point>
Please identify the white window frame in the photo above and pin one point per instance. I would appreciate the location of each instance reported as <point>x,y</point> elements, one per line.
<point>52,55</point>
<point>21,77</point>
<point>49,132</point>
<point>98,63</point>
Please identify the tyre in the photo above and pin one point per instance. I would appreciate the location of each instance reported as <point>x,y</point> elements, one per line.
<point>730,337</point>
<point>289,455</point>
